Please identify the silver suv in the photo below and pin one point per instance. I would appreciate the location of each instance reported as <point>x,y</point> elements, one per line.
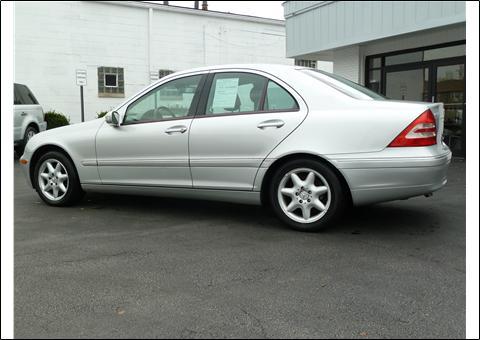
<point>28,119</point>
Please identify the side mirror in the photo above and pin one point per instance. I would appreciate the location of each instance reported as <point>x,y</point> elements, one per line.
<point>113,118</point>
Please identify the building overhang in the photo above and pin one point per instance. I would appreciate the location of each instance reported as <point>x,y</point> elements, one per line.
<point>315,28</point>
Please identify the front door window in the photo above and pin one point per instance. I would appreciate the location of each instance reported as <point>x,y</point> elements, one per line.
<point>171,100</point>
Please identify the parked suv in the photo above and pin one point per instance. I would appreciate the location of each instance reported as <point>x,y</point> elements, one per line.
<point>28,119</point>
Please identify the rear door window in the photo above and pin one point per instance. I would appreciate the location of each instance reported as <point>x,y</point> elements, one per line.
<point>26,96</point>
<point>235,92</point>
<point>278,99</point>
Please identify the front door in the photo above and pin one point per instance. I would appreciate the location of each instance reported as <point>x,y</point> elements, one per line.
<point>150,148</point>
<point>243,117</point>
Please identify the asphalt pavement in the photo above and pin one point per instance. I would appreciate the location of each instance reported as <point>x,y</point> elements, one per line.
<point>136,267</point>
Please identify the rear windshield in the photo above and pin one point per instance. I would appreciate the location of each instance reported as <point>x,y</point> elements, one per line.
<point>344,85</point>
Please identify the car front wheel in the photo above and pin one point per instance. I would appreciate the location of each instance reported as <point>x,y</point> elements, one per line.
<point>56,180</point>
<point>306,194</point>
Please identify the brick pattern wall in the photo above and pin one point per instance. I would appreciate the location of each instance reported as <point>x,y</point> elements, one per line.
<point>347,63</point>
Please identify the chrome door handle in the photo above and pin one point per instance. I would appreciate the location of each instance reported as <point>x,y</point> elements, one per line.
<point>277,123</point>
<point>176,129</point>
<point>23,114</point>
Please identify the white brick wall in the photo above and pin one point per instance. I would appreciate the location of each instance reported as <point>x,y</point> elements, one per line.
<point>52,39</point>
<point>346,62</point>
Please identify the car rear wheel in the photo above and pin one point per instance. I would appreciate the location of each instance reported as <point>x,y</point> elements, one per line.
<point>29,133</point>
<point>56,180</point>
<point>306,194</point>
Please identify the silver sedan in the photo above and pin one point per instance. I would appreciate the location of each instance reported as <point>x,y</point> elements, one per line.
<point>306,143</point>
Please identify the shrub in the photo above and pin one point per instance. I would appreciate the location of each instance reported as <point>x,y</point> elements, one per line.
<point>101,114</point>
<point>56,119</point>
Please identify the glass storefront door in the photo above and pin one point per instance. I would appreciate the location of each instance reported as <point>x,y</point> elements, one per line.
<point>410,85</point>
<point>449,88</point>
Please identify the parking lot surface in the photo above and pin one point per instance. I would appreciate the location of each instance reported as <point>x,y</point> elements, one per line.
<point>132,267</point>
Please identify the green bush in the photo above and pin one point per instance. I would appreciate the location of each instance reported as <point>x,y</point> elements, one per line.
<point>101,114</point>
<point>56,119</point>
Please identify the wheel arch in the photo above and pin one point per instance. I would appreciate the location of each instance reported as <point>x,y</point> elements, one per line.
<point>266,181</point>
<point>33,124</point>
<point>26,124</point>
<point>41,151</point>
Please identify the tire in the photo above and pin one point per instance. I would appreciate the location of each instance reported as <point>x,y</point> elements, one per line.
<point>55,194</point>
<point>302,205</point>
<point>30,131</point>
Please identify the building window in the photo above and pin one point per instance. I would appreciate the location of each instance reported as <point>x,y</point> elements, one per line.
<point>163,73</point>
<point>111,82</point>
<point>378,67</point>
<point>306,63</point>
<point>111,79</point>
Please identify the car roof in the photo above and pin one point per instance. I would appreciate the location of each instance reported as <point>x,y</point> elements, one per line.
<point>258,66</point>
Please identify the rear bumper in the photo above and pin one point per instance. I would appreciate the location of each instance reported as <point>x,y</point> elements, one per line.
<point>383,179</point>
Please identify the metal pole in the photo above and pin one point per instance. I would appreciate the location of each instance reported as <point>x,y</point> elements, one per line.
<point>81,102</point>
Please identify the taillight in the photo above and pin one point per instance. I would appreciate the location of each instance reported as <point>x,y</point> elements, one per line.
<point>421,132</point>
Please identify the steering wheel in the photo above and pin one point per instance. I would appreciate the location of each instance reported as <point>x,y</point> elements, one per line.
<point>163,112</point>
<point>157,114</point>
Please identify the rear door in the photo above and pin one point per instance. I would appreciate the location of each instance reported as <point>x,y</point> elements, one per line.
<point>242,117</point>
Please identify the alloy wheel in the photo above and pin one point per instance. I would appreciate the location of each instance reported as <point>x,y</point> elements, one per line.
<point>304,195</point>
<point>30,134</point>
<point>53,179</point>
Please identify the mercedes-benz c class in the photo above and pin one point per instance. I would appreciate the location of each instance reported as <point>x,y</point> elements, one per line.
<point>304,142</point>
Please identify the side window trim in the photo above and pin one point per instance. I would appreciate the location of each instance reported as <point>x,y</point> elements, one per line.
<point>264,95</point>
<point>193,106</point>
<point>202,107</point>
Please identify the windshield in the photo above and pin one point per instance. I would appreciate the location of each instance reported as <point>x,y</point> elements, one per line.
<point>344,85</point>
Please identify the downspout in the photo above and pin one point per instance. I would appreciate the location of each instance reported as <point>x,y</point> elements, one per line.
<point>149,41</point>
<point>204,47</point>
